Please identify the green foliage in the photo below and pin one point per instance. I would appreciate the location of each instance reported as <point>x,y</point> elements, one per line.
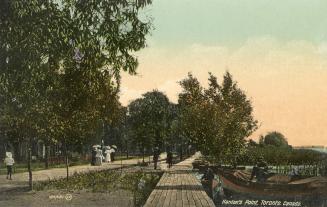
<point>149,119</point>
<point>116,131</point>
<point>276,139</point>
<point>280,156</point>
<point>218,119</point>
<point>60,64</point>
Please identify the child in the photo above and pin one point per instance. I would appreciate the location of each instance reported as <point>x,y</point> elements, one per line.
<point>9,161</point>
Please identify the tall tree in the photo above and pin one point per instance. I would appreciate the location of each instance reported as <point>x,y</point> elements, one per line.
<point>149,119</point>
<point>216,119</point>
<point>60,64</point>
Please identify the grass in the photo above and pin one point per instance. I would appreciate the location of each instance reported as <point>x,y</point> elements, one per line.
<point>139,183</point>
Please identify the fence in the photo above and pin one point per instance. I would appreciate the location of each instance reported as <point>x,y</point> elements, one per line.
<point>303,170</point>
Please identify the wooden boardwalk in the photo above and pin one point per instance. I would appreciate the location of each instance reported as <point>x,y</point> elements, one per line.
<point>179,187</point>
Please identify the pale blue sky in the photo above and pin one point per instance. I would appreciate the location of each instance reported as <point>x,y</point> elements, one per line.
<point>232,22</point>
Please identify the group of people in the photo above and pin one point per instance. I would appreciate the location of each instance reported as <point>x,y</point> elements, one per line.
<point>156,155</point>
<point>102,154</point>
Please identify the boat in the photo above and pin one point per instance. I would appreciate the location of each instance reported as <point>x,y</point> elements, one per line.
<point>238,181</point>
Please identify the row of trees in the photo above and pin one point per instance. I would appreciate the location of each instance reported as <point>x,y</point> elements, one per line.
<point>60,64</point>
<point>215,120</point>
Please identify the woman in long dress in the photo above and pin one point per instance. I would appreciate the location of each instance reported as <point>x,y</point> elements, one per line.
<point>108,157</point>
<point>99,157</point>
<point>112,154</point>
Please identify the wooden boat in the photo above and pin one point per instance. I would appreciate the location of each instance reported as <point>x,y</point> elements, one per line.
<point>238,181</point>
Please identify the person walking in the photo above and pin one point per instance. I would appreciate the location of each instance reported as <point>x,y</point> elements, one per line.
<point>112,153</point>
<point>98,157</point>
<point>108,152</point>
<point>9,162</point>
<point>155,157</point>
<point>93,157</point>
<point>169,159</point>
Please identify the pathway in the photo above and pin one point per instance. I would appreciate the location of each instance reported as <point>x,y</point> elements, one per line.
<point>20,180</point>
<point>178,187</point>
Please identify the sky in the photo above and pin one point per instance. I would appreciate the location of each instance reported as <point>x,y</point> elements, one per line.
<point>275,49</point>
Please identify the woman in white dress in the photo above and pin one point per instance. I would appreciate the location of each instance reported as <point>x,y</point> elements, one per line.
<point>108,157</point>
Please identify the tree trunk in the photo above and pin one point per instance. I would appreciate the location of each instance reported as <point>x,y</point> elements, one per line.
<point>67,170</point>
<point>17,153</point>
<point>46,159</point>
<point>66,162</point>
<point>143,154</point>
<point>127,150</point>
<point>30,176</point>
<point>121,160</point>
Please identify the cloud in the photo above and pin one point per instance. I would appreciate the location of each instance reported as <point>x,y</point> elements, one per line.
<point>128,94</point>
<point>171,88</point>
<point>285,80</point>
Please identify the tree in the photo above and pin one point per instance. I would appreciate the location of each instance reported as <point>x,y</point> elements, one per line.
<point>190,118</point>
<point>217,119</point>
<point>60,64</point>
<point>252,143</point>
<point>149,119</point>
<point>116,132</point>
<point>276,139</point>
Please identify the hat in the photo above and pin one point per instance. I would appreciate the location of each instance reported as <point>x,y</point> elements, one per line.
<point>9,154</point>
